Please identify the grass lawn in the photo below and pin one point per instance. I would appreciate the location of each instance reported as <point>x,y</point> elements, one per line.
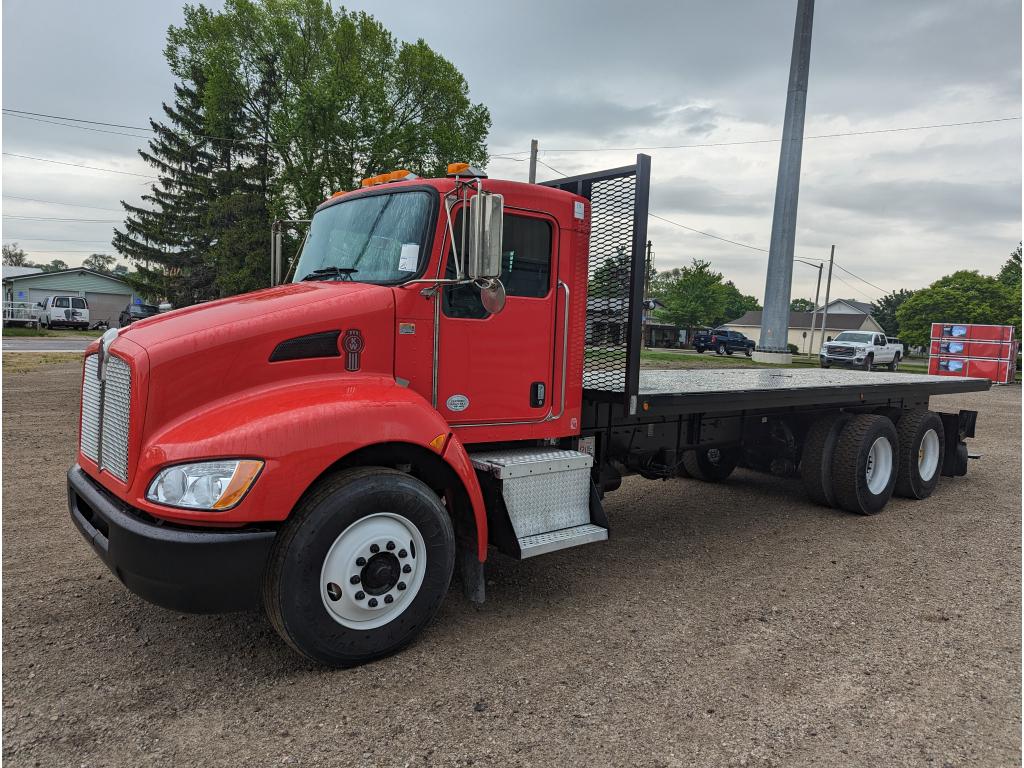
<point>52,333</point>
<point>24,362</point>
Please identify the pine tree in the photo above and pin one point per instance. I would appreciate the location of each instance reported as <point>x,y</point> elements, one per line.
<point>169,240</point>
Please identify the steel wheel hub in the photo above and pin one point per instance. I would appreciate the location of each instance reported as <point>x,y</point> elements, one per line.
<point>878,468</point>
<point>928,455</point>
<point>373,571</point>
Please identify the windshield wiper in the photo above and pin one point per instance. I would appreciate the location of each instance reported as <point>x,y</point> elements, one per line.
<point>345,273</point>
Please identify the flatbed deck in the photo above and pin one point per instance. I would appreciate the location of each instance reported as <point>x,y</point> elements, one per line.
<point>699,390</point>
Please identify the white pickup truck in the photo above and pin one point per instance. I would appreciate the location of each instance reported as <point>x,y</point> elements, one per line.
<point>860,349</point>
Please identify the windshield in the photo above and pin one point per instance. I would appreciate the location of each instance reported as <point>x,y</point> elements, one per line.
<point>863,338</point>
<point>143,310</point>
<point>372,239</point>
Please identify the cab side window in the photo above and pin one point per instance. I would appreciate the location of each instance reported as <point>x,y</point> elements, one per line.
<point>79,304</point>
<point>61,303</point>
<point>525,266</point>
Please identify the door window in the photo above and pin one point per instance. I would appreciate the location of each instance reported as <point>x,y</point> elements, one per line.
<point>525,266</point>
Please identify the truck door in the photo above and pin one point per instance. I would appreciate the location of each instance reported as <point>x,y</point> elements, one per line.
<point>495,368</point>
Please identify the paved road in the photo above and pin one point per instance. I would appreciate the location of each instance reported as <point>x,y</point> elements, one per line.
<point>46,344</point>
<point>726,626</point>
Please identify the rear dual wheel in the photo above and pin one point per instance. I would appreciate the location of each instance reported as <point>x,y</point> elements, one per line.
<point>922,452</point>
<point>361,567</point>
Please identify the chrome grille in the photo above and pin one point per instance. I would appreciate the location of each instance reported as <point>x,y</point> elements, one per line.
<point>116,413</point>
<point>90,439</point>
<point>841,351</point>
<point>106,415</point>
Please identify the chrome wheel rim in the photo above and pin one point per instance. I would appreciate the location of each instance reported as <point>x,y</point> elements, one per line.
<point>878,468</point>
<point>373,571</point>
<point>928,455</point>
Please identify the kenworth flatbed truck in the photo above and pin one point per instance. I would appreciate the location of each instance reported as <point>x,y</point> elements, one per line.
<point>435,381</point>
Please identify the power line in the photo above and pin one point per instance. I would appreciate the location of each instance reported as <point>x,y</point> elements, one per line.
<point>62,250</point>
<point>883,290</point>
<point>79,127</point>
<point>56,218</point>
<point>57,202</point>
<point>706,234</point>
<point>75,119</point>
<point>859,293</point>
<point>550,168</point>
<point>52,240</point>
<point>79,165</point>
<point>775,141</point>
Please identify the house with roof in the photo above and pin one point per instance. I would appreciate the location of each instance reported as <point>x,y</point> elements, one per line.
<point>843,315</point>
<point>105,294</point>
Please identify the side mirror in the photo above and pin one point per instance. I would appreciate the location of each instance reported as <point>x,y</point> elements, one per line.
<point>486,215</point>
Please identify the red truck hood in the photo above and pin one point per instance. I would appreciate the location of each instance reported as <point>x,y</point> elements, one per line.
<point>220,349</point>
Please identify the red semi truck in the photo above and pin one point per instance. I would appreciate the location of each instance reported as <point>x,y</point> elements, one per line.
<point>454,368</point>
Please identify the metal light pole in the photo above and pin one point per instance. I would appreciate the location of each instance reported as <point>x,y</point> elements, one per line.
<point>817,292</point>
<point>779,280</point>
<point>533,161</point>
<point>828,290</point>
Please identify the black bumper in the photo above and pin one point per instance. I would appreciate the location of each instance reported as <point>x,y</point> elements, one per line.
<point>184,569</point>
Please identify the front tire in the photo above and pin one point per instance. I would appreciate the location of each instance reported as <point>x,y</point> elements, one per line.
<point>361,568</point>
<point>922,451</point>
<point>864,464</point>
<point>868,361</point>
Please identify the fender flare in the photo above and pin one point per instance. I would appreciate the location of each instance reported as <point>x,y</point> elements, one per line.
<point>301,428</point>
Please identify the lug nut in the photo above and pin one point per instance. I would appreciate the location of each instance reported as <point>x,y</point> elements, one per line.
<point>389,599</point>
<point>406,569</point>
<point>372,602</point>
<point>360,595</point>
<point>401,586</point>
<point>402,553</point>
<point>391,545</point>
<point>354,579</point>
<point>333,591</point>
<point>374,548</point>
<point>360,561</point>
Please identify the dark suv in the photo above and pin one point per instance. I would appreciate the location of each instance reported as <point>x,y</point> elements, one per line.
<point>724,342</point>
<point>134,312</point>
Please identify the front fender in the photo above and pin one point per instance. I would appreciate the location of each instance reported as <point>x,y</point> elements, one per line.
<point>299,428</point>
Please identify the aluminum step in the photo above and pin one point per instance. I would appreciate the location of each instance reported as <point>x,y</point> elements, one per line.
<point>552,541</point>
<point>546,495</point>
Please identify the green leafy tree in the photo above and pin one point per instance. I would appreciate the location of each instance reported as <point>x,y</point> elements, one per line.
<point>1009,274</point>
<point>884,310</point>
<point>56,265</point>
<point>99,262</point>
<point>13,256</point>
<point>694,295</point>
<point>736,304</point>
<point>962,297</point>
<point>801,305</point>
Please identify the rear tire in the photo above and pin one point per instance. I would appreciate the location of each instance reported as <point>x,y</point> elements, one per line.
<point>720,350</point>
<point>895,364</point>
<point>864,464</point>
<point>816,460</point>
<point>307,590</point>
<point>711,465</point>
<point>922,451</point>
<point>749,352</point>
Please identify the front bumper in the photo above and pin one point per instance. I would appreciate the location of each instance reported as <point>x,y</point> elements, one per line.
<point>184,569</point>
<point>853,362</point>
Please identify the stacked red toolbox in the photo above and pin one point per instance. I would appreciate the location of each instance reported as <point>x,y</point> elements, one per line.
<point>980,351</point>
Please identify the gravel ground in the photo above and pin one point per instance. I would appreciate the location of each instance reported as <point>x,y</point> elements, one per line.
<point>721,626</point>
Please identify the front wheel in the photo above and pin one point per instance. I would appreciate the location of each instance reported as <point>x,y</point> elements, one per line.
<point>361,568</point>
<point>868,361</point>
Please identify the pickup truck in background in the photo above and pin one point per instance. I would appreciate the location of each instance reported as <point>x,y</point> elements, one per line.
<point>860,349</point>
<point>724,342</point>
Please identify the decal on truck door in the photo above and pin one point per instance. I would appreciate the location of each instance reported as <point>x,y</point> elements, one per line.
<point>457,403</point>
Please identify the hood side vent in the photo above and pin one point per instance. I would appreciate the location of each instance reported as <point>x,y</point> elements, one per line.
<point>324,344</point>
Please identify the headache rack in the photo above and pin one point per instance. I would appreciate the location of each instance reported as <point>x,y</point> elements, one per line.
<point>615,287</point>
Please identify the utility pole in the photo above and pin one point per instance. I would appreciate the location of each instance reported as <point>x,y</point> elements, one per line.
<point>533,161</point>
<point>828,291</point>
<point>814,312</point>
<point>779,279</point>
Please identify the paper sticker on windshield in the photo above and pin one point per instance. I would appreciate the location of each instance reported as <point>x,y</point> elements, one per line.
<point>409,261</point>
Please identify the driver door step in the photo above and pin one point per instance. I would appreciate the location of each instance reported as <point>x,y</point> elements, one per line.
<point>540,497</point>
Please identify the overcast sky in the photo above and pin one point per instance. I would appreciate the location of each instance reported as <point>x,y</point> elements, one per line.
<point>903,208</point>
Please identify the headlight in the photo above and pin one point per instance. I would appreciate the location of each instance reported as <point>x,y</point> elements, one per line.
<point>210,485</point>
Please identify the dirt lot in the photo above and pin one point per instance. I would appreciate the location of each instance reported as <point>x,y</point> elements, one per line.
<point>726,626</point>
